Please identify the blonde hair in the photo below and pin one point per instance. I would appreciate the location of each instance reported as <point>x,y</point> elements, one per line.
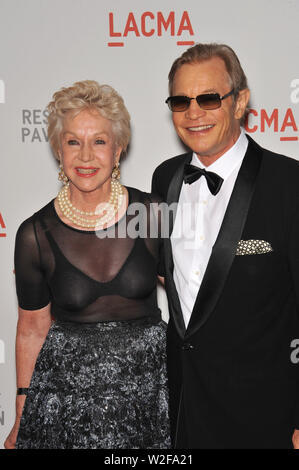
<point>202,52</point>
<point>88,94</point>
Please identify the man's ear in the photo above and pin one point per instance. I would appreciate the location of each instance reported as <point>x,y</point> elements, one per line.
<point>241,103</point>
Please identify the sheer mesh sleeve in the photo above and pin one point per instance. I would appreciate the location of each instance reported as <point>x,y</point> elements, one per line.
<point>90,276</point>
<point>31,284</point>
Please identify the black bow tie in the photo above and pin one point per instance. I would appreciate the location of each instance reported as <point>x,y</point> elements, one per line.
<point>193,173</point>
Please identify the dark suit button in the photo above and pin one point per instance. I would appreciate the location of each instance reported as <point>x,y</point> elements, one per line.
<point>187,347</point>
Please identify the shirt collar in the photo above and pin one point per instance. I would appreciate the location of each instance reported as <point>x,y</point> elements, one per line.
<point>226,164</point>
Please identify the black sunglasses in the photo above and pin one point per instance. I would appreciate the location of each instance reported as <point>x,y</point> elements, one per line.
<point>206,101</point>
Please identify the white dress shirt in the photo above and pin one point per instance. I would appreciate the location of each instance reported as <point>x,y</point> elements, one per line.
<point>198,221</point>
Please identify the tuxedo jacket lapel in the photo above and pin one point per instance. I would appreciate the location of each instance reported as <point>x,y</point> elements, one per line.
<point>173,197</point>
<point>230,233</point>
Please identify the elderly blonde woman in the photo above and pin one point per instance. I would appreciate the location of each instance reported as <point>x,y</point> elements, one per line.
<point>95,377</point>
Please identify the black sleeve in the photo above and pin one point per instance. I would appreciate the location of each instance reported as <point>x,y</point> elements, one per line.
<point>155,185</point>
<point>164,173</point>
<point>159,214</point>
<point>293,255</point>
<point>161,264</point>
<point>31,285</point>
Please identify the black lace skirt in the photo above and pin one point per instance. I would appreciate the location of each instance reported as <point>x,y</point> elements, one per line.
<point>99,386</point>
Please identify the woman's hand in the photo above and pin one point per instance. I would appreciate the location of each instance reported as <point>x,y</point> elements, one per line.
<point>32,329</point>
<point>296,439</point>
<point>10,442</point>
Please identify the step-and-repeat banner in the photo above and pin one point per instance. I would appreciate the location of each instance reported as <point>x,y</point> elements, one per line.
<point>130,45</point>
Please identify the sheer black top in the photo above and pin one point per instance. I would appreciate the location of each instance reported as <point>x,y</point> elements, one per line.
<point>90,276</point>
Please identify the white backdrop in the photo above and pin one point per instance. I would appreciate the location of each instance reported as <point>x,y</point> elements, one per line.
<point>47,44</point>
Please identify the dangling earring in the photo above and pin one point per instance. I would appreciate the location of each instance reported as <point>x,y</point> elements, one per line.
<point>62,176</point>
<point>116,172</point>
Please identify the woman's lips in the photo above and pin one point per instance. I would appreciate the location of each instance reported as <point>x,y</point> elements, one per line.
<point>86,172</point>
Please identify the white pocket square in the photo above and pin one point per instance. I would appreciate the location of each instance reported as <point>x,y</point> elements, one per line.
<point>253,247</point>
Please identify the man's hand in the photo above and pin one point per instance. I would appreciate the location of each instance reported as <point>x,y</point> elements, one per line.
<point>295,439</point>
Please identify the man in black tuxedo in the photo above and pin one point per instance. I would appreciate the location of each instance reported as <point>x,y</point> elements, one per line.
<point>231,266</point>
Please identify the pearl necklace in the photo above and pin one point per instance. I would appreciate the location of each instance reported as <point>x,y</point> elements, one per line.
<point>104,213</point>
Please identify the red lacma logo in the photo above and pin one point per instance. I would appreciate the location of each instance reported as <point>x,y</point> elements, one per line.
<point>2,226</point>
<point>150,24</point>
<point>277,120</point>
